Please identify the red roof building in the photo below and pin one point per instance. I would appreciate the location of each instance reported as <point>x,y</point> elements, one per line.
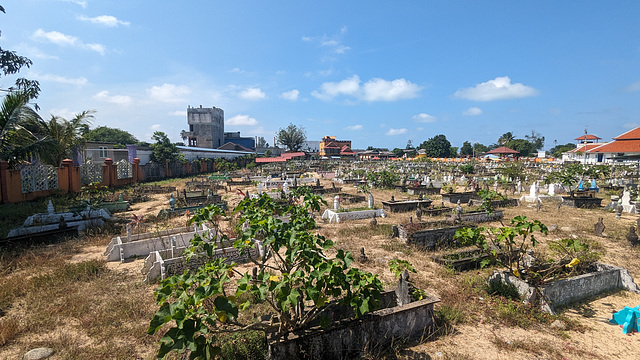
<point>627,144</point>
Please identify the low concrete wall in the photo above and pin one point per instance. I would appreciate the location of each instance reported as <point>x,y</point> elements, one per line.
<point>160,265</point>
<point>462,197</point>
<point>122,250</point>
<point>581,202</point>
<point>347,339</point>
<point>411,190</point>
<point>497,203</point>
<point>577,288</point>
<point>337,217</point>
<point>476,217</point>
<point>430,238</point>
<point>403,206</point>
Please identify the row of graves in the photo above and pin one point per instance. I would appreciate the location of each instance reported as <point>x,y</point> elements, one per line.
<point>164,252</point>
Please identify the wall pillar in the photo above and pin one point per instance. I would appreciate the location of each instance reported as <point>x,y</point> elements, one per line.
<point>68,164</point>
<point>137,173</point>
<point>107,173</point>
<point>4,184</point>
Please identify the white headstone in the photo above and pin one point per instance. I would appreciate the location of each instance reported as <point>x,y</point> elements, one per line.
<point>552,189</point>
<point>260,189</point>
<point>533,190</point>
<point>370,201</point>
<point>336,202</point>
<point>50,209</point>
<point>626,198</point>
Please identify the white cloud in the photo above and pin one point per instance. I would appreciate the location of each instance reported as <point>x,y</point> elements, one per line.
<point>384,90</point>
<point>331,42</point>
<point>82,3</point>
<point>424,118</point>
<point>396,131</point>
<point>499,88</point>
<point>373,90</point>
<point>241,120</point>
<point>290,95</point>
<point>472,111</point>
<point>33,52</point>
<point>329,90</point>
<point>178,113</point>
<point>156,127</point>
<point>61,39</point>
<point>354,127</point>
<point>64,112</point>
<point>630,125</point>
<point>106,20</point>
<point>633,87</point>
<point>61,79</point>
<point>169,93</point>
<point>114,99</point>
<point>252,94</point>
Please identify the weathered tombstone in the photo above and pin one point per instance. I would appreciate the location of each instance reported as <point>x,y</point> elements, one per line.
<point>50,209</point>
<point>538,205</point>
<point>172,202</point>
<point>419,213</point>
<point>619,211</point>
<point>599,228</point>
<point>395,232</point>
<point>402,291</point>
<point>373,221</point>
<point>336,202</point>
<point>260,189</point>
<point>392,198</point>
<point>362,258</point>
<point>370,201</point>
<point>552,189</point>
<point>632,237</point>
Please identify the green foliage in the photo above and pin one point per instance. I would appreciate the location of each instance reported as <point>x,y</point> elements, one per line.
<point>65,134</point>
<point>503,289</point>
<point>397,266</point>
<point>488,196</point>
<point>437,146</point>
<point>293,136</point>
<point>383,179</point>
<point>513,170</point>
<point>467,168</point>
<point>557,150</point>
<point>466,149</point>
<point>163,149</point>
<point>12,63</point>
<point>504,245</point>
<point>18,143</point>
<point>112,135</point>
<point>567,176</point>
<point>296,279</point>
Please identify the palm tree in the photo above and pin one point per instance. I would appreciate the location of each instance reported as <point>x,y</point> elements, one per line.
<point>506,138</point>
<point>67,135</point>
<point>17,143</point>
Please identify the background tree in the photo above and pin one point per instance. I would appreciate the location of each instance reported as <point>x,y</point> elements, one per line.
<point>505,138</point>
<point>163,149</point>
<point>524,147</point>
<point>536,140</point>
<point>437,146</point>
<point>466,149</point>
<point>292,137</point>
<point>120,138</point>
<point>397,152</point>
<point>479,148</point>
<point>261,143</point>
<point>11,63</point>
<point>17,142</point>
<point>557,150</point>
<point>453,151</point>
<point>66,135</point>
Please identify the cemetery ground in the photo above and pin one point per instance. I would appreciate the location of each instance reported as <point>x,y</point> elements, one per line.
<point>66,297</point>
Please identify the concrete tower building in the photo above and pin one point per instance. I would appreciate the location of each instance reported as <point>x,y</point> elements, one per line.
<point>206,127</point>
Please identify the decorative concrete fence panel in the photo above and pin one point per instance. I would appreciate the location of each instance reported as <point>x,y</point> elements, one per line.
<point>336,217</point>
<point>562,292</point>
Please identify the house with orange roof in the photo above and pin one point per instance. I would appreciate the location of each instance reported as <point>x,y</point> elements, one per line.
<point>330,147</point>
<point>590,151</point>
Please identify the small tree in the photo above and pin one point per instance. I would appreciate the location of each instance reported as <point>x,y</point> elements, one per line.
<point>292,137</point>
<point>163,149</point>
<point>296,279</point>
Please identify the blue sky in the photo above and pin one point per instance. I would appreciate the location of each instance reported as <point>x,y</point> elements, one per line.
<point>376,72</point>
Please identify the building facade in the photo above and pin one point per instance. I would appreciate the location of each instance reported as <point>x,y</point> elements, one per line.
<point>330,147</point>
<point>235,138</point>
<point>206,127</point>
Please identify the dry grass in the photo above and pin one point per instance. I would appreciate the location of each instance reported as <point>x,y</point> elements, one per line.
<point>66,297</point>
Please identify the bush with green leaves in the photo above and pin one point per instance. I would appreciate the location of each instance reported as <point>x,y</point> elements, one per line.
<point>488,197</point>
<point>504,245</point>
<point>296,279</point>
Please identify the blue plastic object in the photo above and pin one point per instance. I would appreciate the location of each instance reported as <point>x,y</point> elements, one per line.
<point>629,318</point>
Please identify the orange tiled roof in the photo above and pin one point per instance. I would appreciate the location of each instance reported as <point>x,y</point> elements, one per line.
<point>587,137</point>
<point>633,134</point>
<point>589,148</point>
<point>619,146</point>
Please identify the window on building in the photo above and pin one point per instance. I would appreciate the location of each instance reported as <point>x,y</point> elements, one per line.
<point>103,152</point>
